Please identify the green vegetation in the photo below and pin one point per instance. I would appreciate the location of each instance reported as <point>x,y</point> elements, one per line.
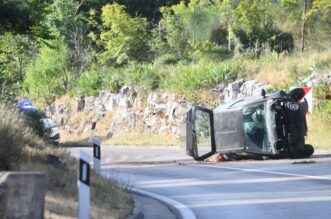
<point>51,48</point>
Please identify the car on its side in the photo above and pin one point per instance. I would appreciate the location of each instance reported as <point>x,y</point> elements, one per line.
<point>266,126</point>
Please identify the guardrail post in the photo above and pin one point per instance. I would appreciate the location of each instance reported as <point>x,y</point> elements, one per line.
<point>84,185</point>
<point>96,154</point>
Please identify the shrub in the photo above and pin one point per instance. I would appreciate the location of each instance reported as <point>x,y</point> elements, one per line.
<point>282,42</point>
<point>189,78</point>
<point>48,76</point>
<point>142,75</point>
<point>166,59</point>
<point>209,50</point>
<point>89,83</point>
<point>114,79</point>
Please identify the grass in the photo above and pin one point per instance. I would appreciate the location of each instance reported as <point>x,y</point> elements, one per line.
<point>319,123</point>
<point>22,150</point>
<point>281,70</point>
<point>107,199</point>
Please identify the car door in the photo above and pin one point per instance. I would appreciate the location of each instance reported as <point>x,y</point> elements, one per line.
<point>200,138</point>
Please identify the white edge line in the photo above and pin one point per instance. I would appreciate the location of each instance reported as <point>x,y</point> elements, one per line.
<point>268,172</point>
<point>182,210</point>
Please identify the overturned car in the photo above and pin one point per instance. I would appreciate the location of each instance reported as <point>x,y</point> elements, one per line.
<point>266,126</point>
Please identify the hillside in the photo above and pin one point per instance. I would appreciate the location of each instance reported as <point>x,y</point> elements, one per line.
<point>22,150</point>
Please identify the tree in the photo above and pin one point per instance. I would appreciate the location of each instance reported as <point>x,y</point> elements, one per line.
<point>250,21</point>
<point>183,26</point>
<point>15,53</point>
<point>21,16</point>
<point>49,76</point>
<point>66,22</point>
<point>123,37</point>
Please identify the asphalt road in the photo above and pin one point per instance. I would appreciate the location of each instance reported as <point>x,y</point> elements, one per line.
<point>244,189</point>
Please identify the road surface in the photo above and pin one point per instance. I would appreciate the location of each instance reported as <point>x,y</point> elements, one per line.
<point>242,189</point>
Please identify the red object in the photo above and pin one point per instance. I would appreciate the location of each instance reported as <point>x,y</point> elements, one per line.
<point>219,158</point>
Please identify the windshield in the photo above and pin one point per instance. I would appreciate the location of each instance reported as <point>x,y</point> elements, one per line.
<point>255,129</point>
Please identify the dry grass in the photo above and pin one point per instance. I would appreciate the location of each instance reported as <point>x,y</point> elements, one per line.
<point>282,69</point>
<point>319,134</point>
<point>14,137</point>
<point>107,199</point>
<point>21,150</point>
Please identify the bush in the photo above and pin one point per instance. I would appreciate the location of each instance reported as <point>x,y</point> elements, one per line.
<point>282,42</point>
<point>166,59</point>
<point>142,75</point>
<point>49,76</point>
<point>189,78</point>
<point>114,79</point>
<point>89,83</point>
<point>209,50</point>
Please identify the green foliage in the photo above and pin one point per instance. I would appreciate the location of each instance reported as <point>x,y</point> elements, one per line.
<point>62,17</point>
<point>189,78</point>
<point>281,42</point>
<point>320,92</point>
<point>123,38</point>
<point>14,56</point>
<point>323,64</point>
<point>144,76</point>
<point>22,16</point>
<point>66,22</point>
<point>166,59</point>
<point>171,34</point>
<point>89,83</point>
<point>209,50</point>
<point>200,23</point>
<point>48,76</point>
<point>114,79</point>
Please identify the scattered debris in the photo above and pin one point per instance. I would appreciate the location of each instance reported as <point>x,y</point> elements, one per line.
<point>304,162</point>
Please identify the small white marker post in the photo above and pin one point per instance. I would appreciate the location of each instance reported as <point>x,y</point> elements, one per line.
<point>84,186</point>
<point>96,154</point>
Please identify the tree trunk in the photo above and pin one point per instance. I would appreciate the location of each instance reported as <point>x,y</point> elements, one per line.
<point>304,25</point>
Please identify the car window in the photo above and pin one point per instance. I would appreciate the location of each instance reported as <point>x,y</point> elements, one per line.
<point>255,128</point>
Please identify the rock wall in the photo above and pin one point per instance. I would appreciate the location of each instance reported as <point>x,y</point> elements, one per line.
<point>153,113</point>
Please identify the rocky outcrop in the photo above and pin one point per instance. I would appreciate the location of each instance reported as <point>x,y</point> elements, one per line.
<point>242,88</point>
<point>154,113</point>
<point>22,195</point>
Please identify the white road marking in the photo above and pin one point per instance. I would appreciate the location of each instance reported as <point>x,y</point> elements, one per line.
<point>177,183</point>
<point>183,210</point>
<point>261,201</point>
<point>325,177</point>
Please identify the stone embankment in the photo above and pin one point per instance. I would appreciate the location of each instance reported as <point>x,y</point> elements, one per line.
<point>154,113</point>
